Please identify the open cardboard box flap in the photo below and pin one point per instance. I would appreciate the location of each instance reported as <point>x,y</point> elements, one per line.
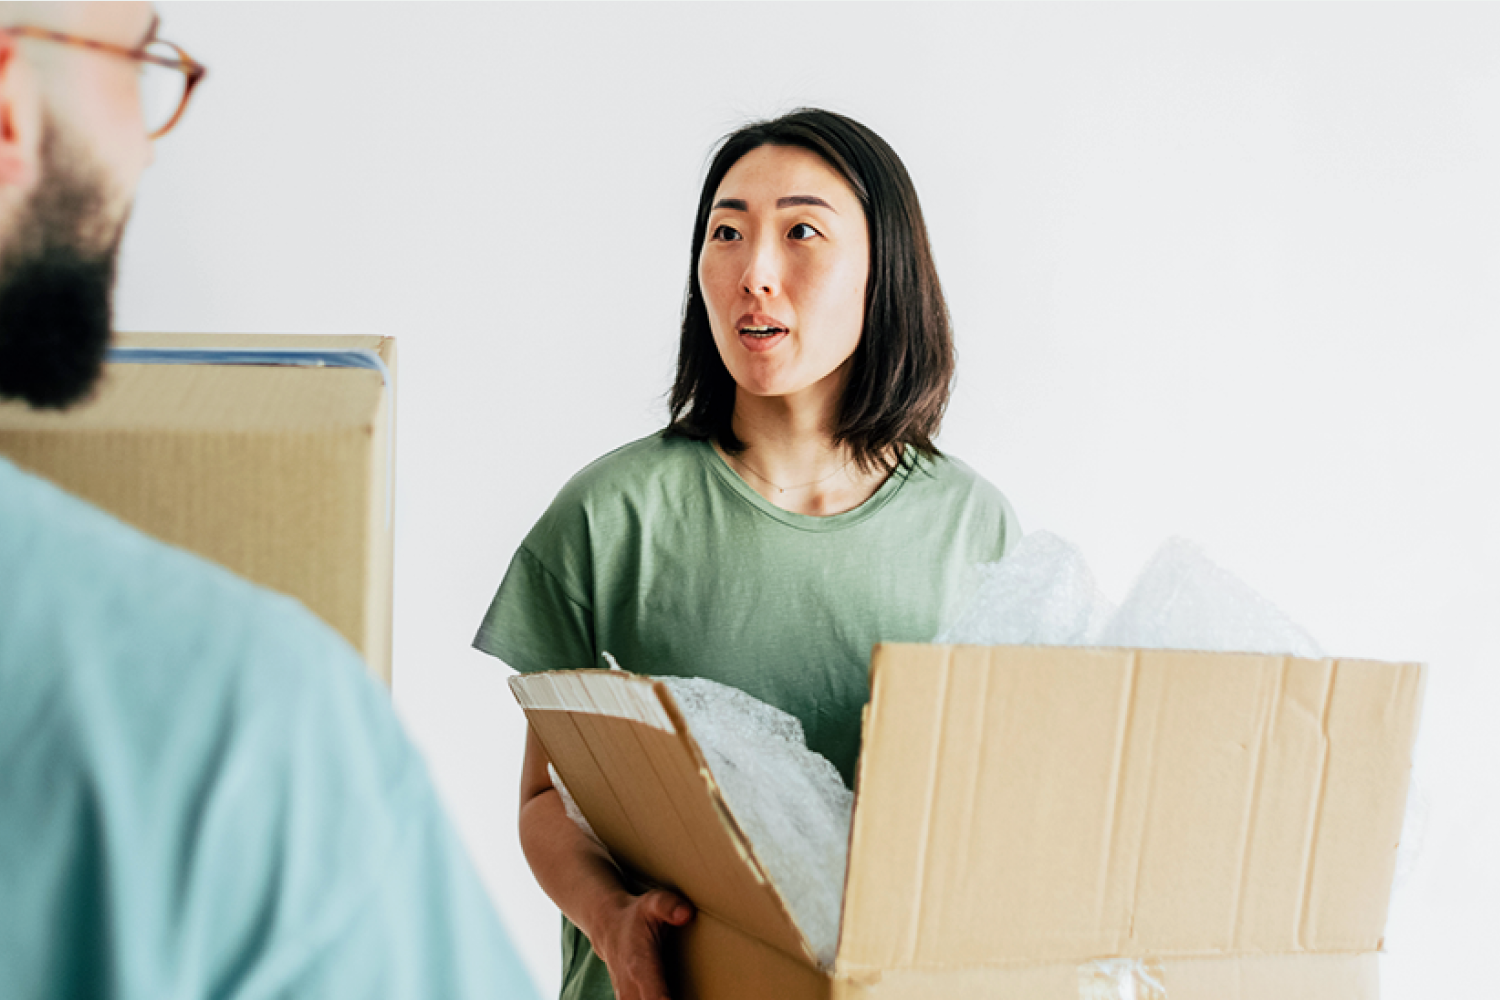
<point>629,761</point>
<point>1229,821</point>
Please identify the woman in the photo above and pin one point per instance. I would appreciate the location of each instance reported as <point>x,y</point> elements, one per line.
<point>794,512</point>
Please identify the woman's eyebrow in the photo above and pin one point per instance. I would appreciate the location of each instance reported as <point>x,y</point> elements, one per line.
<point>804,199</point>
<point>739,205</point>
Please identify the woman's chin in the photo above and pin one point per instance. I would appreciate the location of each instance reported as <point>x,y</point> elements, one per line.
<point>782,376</point>
<point>783,387</point>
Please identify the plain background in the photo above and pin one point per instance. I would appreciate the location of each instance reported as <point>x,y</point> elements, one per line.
<point>1225,272</point>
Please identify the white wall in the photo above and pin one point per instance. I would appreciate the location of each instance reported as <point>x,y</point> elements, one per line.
<point>1221,271</point>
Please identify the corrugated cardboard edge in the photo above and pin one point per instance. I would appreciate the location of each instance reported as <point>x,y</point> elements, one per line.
<point>736,836</point>
<point>380,657</point>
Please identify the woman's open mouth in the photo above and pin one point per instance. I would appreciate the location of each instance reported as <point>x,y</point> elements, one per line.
<point>760,332</point>
<point>759,338</point>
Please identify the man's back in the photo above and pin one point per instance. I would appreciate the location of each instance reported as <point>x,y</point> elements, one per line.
<point>202,793</point>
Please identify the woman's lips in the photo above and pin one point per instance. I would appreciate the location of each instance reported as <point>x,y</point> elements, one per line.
<point>758,341</point>
<point>760,332</point>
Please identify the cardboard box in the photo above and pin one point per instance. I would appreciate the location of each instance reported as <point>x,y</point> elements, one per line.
<point>1037,823</point>
<point>271,455</point>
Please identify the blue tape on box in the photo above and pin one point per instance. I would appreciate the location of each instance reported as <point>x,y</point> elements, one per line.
<point>298,358</point>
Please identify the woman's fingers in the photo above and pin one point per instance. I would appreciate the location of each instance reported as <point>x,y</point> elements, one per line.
<point>667,907</point>
<point>635,964</point>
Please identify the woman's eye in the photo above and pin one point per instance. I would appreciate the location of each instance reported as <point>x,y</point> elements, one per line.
<point>723,232</point>
<point>802,231</point>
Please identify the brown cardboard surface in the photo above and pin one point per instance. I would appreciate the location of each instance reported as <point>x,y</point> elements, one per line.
<point>718,962</point>
<point>1022,813</point>
<point>637,775</point>
<point>1026,804</point>
<point>280,474</point>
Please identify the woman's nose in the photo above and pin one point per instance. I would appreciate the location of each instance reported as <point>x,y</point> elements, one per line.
<point>763,272</point>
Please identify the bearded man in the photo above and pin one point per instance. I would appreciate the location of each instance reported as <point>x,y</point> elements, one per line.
<point>202,793</point>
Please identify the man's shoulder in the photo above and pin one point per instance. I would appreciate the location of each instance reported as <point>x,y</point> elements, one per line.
<point>123,643</point>
<point>198,716</point>
<point>120,597</point>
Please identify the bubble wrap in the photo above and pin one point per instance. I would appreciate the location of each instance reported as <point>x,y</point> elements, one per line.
<point>789,801</point>
<point>1041,594</point>
<point>1182,600</point>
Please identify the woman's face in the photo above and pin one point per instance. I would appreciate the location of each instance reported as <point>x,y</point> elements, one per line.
<point>783,271</point>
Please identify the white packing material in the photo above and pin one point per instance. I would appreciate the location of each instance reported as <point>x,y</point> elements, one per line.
<point>789,801</point>
<point>1183,600</point>
<point>1041,594</point>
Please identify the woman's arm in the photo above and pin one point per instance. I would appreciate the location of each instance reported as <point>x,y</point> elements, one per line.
<point>624,929</point>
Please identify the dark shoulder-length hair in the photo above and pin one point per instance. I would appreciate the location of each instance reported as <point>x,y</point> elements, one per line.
<point>902,369</point>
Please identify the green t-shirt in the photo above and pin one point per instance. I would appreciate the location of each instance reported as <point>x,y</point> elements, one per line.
<point>202,792</point>
<point>661,555</point>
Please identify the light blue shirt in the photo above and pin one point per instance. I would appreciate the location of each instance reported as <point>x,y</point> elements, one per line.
<point>203,794</point>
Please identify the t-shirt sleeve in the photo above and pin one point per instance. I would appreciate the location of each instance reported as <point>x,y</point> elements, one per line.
<point>536,621</point>
<point>1010,527</point>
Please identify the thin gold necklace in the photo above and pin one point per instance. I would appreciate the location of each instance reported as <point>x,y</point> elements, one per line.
<point>800,486</point>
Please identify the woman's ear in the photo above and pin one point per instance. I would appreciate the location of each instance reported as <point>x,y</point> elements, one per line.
<point>20,119</point>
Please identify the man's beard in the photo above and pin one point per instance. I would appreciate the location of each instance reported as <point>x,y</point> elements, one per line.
<point>57,275</point>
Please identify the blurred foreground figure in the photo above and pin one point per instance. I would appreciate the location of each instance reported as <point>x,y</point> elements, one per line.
<point>202,794</point>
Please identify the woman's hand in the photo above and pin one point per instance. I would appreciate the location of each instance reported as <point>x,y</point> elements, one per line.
<point>629,940</point>
<point>625,929</point>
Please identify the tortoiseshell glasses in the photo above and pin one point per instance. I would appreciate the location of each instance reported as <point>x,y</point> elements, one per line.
<point>168,74</point>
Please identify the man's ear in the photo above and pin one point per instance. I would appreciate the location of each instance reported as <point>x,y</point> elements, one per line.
<point>19,116</point>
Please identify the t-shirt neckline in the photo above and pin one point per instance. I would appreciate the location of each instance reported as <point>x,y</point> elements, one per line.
<point>808,522</point>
